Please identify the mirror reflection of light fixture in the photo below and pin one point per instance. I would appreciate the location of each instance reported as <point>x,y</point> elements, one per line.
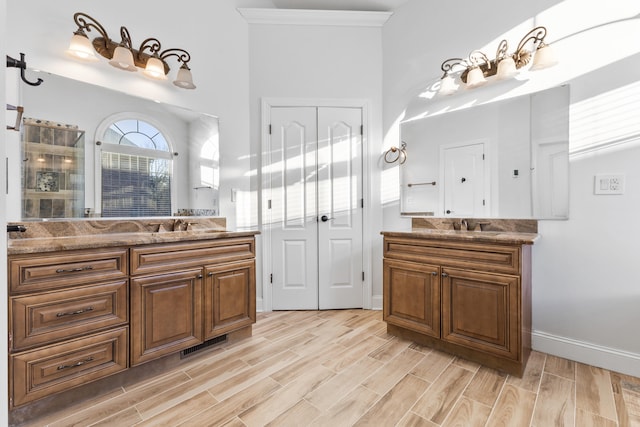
<point>123,56</point>
<point>474,70</point>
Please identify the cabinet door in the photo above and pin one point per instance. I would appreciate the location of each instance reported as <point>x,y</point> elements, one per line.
<point>480,311</point>
<point>412,296</point>
<point>166,314</point>
<point>229,297</point>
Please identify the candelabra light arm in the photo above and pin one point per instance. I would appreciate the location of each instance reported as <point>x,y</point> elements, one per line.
<point>152,44</point>
<point>182,55</point>
<point>125,38</point>
<point>501,52</point>
<point>477,58</point>
<point>86,22</point>
<point>449,64</point>
<point>537,35</point>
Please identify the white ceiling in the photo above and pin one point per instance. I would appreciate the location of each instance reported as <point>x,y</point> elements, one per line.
<point>368,5</point>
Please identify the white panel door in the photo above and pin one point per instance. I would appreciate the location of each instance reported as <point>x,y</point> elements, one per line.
<point>550,184</point>
<point>315,169</point>
<point>464,180</point>
<point>294,228</point>
<point>339,208</point>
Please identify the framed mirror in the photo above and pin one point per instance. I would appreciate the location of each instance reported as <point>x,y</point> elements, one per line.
<point>506,159</point>
<point>88,151</point>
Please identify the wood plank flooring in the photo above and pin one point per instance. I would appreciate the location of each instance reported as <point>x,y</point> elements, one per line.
<point>340,368</point>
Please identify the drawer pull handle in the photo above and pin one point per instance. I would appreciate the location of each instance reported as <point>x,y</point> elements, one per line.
<point>72,313</point>
<point>74,270</point>
<point>80,363</point>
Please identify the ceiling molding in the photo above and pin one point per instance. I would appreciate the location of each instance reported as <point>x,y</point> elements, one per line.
<point>314,17</point>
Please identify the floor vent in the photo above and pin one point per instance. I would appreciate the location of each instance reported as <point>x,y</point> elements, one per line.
<point>192,350</point>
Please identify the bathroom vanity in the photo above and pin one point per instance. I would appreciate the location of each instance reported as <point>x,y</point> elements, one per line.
<point>463,292</point>
<point>88,306</point>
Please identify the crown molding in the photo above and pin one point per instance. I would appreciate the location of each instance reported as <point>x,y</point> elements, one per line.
<point>314,17</point>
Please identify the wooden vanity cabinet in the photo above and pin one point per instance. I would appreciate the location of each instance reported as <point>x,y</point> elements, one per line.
<point>229,297</point>
<point>68,320</point>
<point>468,298</point>
<point>190,292</point>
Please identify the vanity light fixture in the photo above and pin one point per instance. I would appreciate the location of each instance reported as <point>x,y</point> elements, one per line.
<point>474,70</point>
<point>123,56</point>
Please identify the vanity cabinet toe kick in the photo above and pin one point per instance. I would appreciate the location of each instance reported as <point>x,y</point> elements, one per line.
<point>469,298</point>
<point>78,316</point>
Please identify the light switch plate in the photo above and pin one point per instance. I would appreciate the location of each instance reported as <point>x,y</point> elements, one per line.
<point>609,184</point>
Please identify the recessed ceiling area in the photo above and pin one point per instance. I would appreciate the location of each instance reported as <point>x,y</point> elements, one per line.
<point>365,5</point>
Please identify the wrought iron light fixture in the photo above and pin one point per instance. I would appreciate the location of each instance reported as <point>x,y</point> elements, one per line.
<point>148,56</point>
<point>475,69</point>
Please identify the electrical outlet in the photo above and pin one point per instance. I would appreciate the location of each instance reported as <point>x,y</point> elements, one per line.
<point>609,184</point>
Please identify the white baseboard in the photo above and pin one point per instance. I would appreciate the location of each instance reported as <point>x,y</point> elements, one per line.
<point>376,302</point>
<point>584,352</point>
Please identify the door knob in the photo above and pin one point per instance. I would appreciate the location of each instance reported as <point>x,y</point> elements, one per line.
<point>449,211</point>
<point>325,218</point>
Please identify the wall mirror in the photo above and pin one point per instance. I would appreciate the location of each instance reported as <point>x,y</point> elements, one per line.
<point>505,159</point>
<point>70,133</point>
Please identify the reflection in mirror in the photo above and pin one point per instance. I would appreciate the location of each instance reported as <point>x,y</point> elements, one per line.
<point>91,151</point>
<point>506,159</point>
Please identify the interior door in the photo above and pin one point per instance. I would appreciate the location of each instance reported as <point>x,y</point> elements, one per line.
<point>339,208</point>
<point>464,180</point>
<point>294,226</point>
<point>315,168</point>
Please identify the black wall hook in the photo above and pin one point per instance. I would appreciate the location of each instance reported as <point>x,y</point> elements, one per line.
<point>12,62</point>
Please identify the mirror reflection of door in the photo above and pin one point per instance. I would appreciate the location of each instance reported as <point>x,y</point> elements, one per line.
<point>464,188</point>
<point>316,216</point>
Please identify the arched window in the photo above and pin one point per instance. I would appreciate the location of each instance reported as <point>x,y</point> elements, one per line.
<point>135,172</point>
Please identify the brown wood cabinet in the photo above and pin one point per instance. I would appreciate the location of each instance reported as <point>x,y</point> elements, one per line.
<point>68,320</point>
<point>465,297</point>
<point>78,316</point>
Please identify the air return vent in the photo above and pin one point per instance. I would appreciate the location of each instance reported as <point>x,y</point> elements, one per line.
<point>196,348</point>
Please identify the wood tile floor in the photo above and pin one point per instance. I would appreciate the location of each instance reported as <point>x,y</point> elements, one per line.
<point>340,368</point>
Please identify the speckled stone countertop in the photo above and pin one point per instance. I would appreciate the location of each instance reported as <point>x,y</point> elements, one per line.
<point>505,231</point>
<point>50,236</point>
<point>504,237</point>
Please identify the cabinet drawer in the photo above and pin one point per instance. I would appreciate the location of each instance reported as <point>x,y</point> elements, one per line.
<point>65,269</point>
<point>48,317</point>
<point>468,255</point>
<point>161,258</point>
<point>41,372</point>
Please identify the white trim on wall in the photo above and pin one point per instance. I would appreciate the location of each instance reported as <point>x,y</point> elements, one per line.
<point>314,17</point>
<point>585,352</point>
<point>266,105</point>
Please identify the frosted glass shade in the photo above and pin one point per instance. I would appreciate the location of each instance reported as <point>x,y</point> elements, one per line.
<point>448,86</point>
<point>475,78</point>
<point>184,79</point>
<point>544,58</point>
<point>80,47</point>
<point>155,69</point>
<point>123,59</point>
<point>506,68</point>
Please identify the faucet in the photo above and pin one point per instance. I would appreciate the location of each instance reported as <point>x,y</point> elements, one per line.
<point>177,224</point>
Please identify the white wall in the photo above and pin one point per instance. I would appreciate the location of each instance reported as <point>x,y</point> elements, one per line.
<point>585,282</point>
<point>4,397</point>
<point>214,33</point>
<point>320,62</point>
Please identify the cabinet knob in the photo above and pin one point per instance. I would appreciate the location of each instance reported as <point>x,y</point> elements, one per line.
<point>445,275</point>
<point>210,273</point>
<point>199,276</point>
<point>434,273</point>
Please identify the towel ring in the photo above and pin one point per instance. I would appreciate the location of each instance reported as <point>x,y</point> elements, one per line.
<point>395,154</point>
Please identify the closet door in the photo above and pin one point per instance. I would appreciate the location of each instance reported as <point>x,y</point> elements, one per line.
<point>315,170</point>
<point>294,227</point>
<point>339,207</point>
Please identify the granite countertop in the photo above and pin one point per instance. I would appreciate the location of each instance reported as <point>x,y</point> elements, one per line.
<point>52,244</point>
<point>505,237</point>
